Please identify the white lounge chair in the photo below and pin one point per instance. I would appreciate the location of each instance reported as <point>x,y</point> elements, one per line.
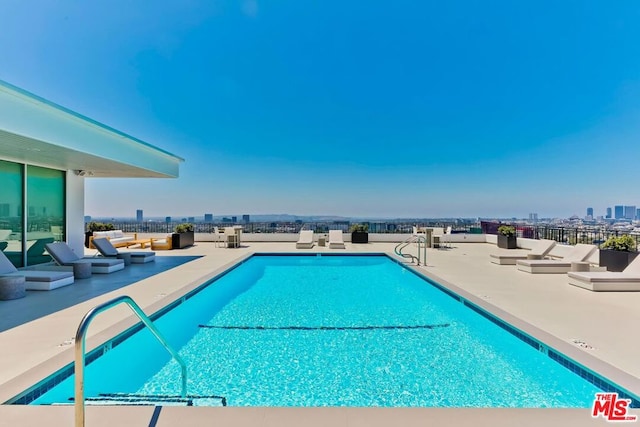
<point>602,281</point>
<point>539,250</point>
<point>35,279</point>
<point>305,241</point>
<point>579,252</point>
<point>218,236</point>
<point>445,239</point>
<point>335,239</point>
<point>63,255</point>
<point>107,250</point>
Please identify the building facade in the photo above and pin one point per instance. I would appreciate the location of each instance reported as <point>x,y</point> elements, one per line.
<point>46,153</point>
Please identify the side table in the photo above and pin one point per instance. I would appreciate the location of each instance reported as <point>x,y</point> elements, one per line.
<point>126,257</point>
<point>579,266</point>
<point>12,287</point>
<point>82,270</point>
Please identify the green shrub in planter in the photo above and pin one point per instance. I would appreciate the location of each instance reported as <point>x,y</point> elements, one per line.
<point>507,237</point>
<point>624,243</point>
<point>183,236</point>
<point>617,252</point>
<point>359,233</point>
<point>507,230</point>
<point>183,228</point>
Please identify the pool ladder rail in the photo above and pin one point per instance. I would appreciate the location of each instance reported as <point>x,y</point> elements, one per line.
<point>420,241</point>
<point>80,351</point>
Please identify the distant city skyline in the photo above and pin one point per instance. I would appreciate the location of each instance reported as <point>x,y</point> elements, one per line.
<point>361,109</point>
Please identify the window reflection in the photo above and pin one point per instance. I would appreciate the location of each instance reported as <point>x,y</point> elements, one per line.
<point>45,207</point>
<point>11,211</point>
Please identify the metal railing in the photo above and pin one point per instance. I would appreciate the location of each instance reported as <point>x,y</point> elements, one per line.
<point>568,235</point>
<point>291,227</point>
<point>80,350</point>
<point>419,240</point>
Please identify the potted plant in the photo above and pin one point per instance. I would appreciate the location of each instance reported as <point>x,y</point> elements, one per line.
<point>507,237</point>
<point>359,233</point>
<point>95,226</point>
<point>183,236</point>
<point>617,252</point>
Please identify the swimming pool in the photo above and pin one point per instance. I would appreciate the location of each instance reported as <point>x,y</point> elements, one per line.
<point>331,331</point>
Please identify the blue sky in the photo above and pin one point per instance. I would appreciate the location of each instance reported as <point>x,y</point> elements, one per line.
<point>357,108</point>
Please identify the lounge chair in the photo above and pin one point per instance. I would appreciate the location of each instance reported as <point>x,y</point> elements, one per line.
<point>63,255</point>
<point>35,279</point>
<point>335,239</point>
<point>539,250</point>
<point>218,236</point>
<point>161,244</point>
<point>305,241</point>
<point>599,281</point>
<point>579,252</point>
<point>107,250</point>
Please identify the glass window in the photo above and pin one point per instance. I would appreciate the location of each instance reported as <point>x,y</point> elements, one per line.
<point>11,211</point>
<point>45,211</point>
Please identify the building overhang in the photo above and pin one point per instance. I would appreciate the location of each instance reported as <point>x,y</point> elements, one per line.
<point>36,131</point>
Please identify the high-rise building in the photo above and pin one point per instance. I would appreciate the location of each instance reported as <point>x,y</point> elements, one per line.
<point>208,217</point>
<point>638,213</point>
<point>629,212</point>
<point>618,211</point>
<point>533,217</point>
<point>139,216</point>
<point>608,213</point>
<point>192,219</point>
<point>234,219</point>
<point>589,216</point>
<point>245,218</point>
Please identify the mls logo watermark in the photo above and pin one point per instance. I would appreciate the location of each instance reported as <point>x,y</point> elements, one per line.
<point>611,408</point>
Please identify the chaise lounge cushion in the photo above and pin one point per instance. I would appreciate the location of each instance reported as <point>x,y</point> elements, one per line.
<point>509,257</point>
<point>579,252</point>
<point>335,239</point>
<point>107,250</point>
<point>305,241</point>
<point>598,281</point>
<point>36,279</point>
<point>63,255</point>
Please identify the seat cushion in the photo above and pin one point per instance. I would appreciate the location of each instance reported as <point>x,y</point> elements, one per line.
<point>43,276</point>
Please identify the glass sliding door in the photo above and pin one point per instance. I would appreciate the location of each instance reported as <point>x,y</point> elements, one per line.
<point>45,211</point>
<point>11,182</point>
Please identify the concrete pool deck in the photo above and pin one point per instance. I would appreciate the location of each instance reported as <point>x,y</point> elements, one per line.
<point>593,328</point>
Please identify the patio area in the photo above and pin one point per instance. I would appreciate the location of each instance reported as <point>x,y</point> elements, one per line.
<point>591,328</point>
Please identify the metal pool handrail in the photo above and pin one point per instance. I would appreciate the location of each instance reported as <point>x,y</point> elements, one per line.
<point>413,239</point>
<point>80,356</point>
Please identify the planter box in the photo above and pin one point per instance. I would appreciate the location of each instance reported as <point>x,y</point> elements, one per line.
<point>87,238</point>
<point>182,240</point>
<point>616,260</point>
<point>507,242</point>
<point>359,237</point>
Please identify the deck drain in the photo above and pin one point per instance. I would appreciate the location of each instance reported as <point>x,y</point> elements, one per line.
<point>582,344</point>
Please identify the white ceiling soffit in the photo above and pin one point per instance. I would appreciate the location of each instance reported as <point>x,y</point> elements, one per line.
<point>34,130</point>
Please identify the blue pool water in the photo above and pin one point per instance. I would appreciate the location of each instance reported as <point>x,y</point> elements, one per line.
<point>332,331</point>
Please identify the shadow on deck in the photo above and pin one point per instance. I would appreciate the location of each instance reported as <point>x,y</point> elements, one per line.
<point>41,303</point>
